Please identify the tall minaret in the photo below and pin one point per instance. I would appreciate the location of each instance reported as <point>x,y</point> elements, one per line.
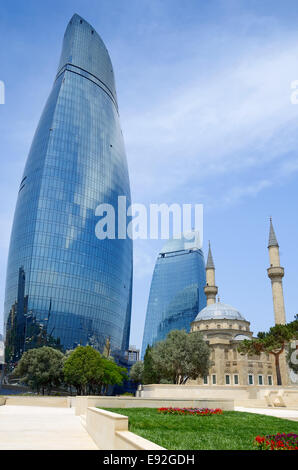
<point>210,288</point>
<point>276,273</point>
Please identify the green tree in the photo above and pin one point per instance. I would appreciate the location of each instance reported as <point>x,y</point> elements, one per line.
<point>272,342</point>
<point>112,374</point>
<point>136,372</point>
<point>150,375</point>
<point>41,369</point>
<point>292,355</point>
<point>180,357</point>
<point>84,369</point>
<point>90,373</point>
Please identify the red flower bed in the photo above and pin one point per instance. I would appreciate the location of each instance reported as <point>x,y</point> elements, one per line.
<point>279,441</point>
<point>190,411</point>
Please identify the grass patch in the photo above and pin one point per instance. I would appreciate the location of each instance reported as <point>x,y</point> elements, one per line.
<point>233,430</point>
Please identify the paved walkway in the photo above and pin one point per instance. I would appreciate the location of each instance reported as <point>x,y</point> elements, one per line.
<point>284,413</point>
<point>46,428</point>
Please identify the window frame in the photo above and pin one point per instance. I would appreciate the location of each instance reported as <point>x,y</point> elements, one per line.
<point>253,380</point>
<point>206,376</point>
<point>262,379</point>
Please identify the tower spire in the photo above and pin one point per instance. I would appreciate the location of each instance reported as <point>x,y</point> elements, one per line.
<point>210,289</point>
<point>275,274</point>
<point>210,262</point>
<point>272,237</point>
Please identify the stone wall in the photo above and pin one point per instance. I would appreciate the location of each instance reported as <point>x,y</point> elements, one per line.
<point>82,403</point>
<point>241,395</point>
<point>60,402</point>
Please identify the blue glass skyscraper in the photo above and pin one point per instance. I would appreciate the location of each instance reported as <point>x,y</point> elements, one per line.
<point>177,290</point>
<point>63,283</point>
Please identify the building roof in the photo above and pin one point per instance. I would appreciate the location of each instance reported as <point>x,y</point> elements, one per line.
<point>187,241</point>
<point>219,311</point>
<point>84,52</point>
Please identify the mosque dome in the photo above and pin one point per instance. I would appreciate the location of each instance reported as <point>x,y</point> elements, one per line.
<point>219,311</point>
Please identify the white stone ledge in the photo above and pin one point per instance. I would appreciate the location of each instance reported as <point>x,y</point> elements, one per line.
<point>127,440</point>
<point>110,432</point>
<point>57,402</point>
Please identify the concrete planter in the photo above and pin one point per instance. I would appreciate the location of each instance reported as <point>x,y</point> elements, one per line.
<point>82,403</point>
<point>110,432</point>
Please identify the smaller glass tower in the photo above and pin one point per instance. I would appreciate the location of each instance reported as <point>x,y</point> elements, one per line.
<point>177,290</point>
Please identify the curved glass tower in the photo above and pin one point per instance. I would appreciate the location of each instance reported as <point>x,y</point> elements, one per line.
<point>177,290</point>
<point>63,284</point>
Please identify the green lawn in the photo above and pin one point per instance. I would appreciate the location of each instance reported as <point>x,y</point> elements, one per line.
<point>230,431</point>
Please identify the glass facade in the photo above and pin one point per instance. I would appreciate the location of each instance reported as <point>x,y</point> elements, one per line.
<point>63,284</point>
<point>177,291</point>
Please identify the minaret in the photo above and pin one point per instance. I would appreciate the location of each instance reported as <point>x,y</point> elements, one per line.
<point>276,273</point>
<point>210,289</point>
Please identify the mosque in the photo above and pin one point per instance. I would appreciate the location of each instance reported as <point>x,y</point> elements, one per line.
<point>223,327</point>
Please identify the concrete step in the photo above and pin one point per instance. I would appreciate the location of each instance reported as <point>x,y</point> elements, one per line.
<point>251,403</point>
<point>263,404</point>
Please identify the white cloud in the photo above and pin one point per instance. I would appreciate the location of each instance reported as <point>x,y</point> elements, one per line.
<point>236,121</point>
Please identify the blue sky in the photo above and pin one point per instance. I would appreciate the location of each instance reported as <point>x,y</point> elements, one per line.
<point>204,97</point>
